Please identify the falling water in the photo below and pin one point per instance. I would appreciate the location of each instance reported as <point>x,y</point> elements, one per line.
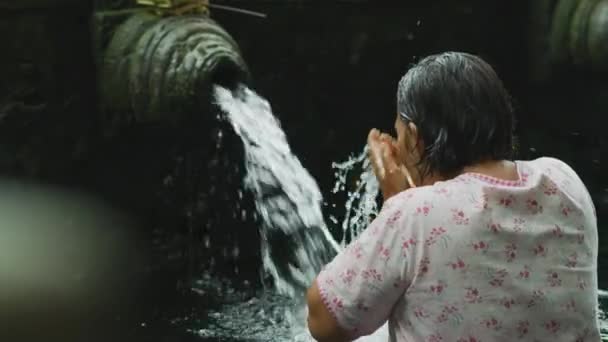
<point>295,242</point>
<point>286,196</point>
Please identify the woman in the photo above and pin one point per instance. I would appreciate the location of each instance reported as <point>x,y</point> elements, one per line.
<point>468,246</point>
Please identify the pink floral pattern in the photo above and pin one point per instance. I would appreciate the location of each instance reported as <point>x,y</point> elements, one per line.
<point>457,264</point>
<point>437,287</point>
<point>467,339</point>
<point>480,246</point>
<point>553,279</point>
<point>492,323</point>
<point>497,277</point>
<point>437,233</point>
<point>507,302</point>
<point>394,218</point>
<point>407,244</point>
<point>524,273</point>
<point>552,326</point>
<point>424,266</point>
<point>550,188</point>
<point>371,275</point>
<point>472,295</point>
<point>459,217</point>
<point>356,249</point>
<point>571,260</point>
<point>522,328</point>
<point>557,231</point>
<point>469,260</point>
<point>348,275</point>
<point>481,202</point>
<point>569,306</point>
<point>507,201</point>
<point>540,250</point>
<point>510,251</point>
<point>494,227</point>
<point>424,209</point>
<point>518,224</point>
<point>534,206</point>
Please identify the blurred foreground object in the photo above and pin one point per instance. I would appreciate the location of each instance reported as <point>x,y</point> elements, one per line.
<point>64,264</point>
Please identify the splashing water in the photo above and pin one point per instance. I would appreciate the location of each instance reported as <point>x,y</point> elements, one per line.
<point>361,206</point>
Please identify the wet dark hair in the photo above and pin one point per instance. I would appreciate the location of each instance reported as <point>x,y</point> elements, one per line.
<point>461,109</point>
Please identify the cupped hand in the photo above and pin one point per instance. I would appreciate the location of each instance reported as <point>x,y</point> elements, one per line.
<point>392,176</point>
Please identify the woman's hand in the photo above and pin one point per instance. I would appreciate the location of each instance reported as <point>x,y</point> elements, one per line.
<point>392,176</point>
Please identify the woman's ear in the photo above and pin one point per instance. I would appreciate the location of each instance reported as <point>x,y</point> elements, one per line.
<point>413,137</point>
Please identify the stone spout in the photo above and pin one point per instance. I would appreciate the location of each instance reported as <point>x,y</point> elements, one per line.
<point>162,69</point>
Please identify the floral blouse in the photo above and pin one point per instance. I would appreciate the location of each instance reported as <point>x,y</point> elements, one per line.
<point>475,258</point>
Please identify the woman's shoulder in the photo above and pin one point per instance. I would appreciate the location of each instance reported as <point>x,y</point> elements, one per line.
<point>555,170</point>
<point>468,188</point>
<point>548,165</point>
<point>554,173</point>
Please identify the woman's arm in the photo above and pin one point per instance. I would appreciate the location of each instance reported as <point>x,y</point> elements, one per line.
<point>354,294</point>
<point>321,323</point>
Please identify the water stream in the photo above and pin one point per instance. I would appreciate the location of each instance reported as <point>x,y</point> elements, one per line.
<point>295,242</point>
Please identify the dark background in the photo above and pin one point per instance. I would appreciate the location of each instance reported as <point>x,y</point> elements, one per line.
<point>329,69</point>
